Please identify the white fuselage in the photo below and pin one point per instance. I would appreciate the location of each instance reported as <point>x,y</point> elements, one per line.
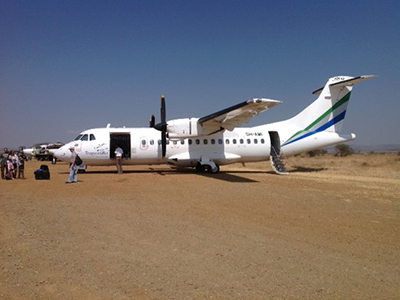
<point>217,139</point>
<point>250,144</point>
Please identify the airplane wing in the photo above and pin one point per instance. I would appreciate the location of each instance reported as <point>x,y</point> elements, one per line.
<point>234,116</point>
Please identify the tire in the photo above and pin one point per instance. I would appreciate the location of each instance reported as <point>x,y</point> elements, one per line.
<point>215,170</point>
<point>199,168</point>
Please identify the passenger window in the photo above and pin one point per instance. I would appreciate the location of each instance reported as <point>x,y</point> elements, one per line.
<point>205,141</point>
<point>151,142</point>
<point>143,142</point>
<point>241,141</point>
<point>212,141</point>
<point>262,141</point>
<point>234,141</point>
<point>248,141</point>
<point>220,141</point>
<point>255,141</point>
<point>92,138</point>
<point>190,141</point>
<point>175,142</point>
<point>227,141</point>
<point>182,142</point>
<point>197,142</point>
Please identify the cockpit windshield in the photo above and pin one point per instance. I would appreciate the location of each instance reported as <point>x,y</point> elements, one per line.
<point>85,137</point>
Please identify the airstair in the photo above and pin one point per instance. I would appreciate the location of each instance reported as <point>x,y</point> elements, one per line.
<point>277,164</point>
<point>275,154</point>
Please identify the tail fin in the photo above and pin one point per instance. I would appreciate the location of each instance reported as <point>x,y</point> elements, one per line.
<point>328,111</point>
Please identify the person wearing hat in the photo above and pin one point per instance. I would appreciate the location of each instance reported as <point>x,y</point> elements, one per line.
<point>72,167</point>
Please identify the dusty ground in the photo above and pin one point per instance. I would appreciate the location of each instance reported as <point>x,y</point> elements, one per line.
<point>326,231</point>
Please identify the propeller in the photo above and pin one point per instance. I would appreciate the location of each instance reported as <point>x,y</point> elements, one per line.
<point>152,121</point>
<point>162,126</point>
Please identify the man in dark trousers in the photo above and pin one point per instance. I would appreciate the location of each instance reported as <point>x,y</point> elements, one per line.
<point>4,158</point>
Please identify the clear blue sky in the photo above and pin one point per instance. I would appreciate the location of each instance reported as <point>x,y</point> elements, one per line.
<point>66,66</point>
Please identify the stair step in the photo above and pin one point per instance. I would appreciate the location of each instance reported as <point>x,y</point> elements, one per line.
<point>277,165</point>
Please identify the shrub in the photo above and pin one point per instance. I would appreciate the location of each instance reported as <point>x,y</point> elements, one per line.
<point>343,150</point>
<point>317,152</point>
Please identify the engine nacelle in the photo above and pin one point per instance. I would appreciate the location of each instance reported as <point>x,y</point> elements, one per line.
<point>189,127</point>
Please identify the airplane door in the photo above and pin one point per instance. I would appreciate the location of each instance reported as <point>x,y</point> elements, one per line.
<point>275,143</point>
<point>122,140</point>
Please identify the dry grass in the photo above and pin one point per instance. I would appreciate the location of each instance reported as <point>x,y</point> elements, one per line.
<point>373,165</point>
<point>380,165</point>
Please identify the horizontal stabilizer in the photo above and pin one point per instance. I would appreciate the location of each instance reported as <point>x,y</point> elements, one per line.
<point>346,82</point>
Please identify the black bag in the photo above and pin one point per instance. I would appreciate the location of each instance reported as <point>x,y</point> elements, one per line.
<point>78,160</point>
<point>42,173</point>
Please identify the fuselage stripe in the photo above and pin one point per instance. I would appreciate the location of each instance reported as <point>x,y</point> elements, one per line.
<point>335,120</point>
<point>330,110</point>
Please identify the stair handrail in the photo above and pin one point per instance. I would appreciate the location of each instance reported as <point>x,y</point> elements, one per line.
<point>274,151</point>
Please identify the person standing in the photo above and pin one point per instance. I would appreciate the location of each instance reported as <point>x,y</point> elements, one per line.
<point>118,158</point>
<point>72,167</point>
<point>15,162</point>
<point>21,167</point>
<point>4,159</point>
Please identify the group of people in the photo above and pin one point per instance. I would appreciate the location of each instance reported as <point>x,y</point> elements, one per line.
<point>12,165</point>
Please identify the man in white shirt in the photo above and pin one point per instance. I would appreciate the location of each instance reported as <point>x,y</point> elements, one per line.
<point>118,159</point>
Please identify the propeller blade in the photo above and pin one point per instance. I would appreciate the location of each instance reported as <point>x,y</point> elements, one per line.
<point>162,110</point>
<point>163,143</point>
<point>162,126</point>
<point>152,121</point>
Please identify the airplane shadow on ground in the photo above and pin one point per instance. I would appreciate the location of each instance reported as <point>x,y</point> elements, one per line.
<point>229,176</point>
<point>223,175</point>
<point>300,169</point>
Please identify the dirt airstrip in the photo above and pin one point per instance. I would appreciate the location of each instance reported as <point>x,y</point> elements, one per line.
<point>245,233</point>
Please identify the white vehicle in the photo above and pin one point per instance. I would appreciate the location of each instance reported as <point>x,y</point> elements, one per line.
<point>215,140</point>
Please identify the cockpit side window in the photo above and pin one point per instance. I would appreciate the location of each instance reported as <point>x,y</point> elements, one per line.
<point>92,137</point>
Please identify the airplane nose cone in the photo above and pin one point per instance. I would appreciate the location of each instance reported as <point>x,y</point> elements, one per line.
<point>60,153</point>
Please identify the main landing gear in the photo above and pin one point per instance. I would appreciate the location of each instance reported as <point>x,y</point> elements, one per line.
<point>207,165</point>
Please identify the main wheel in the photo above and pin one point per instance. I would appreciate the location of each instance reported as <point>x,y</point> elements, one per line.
<point>214,170</point>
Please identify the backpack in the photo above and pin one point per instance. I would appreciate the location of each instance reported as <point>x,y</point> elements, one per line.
<point>78,160</point>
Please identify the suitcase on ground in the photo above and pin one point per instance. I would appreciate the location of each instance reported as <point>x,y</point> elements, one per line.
<point>42,173</point>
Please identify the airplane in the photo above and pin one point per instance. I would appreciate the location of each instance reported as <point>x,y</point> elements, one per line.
<point>41,151</point>
<point>36,148</point>
<point>214,140</point>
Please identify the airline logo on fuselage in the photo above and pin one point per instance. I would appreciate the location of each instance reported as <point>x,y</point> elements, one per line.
<point>100,150</point>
